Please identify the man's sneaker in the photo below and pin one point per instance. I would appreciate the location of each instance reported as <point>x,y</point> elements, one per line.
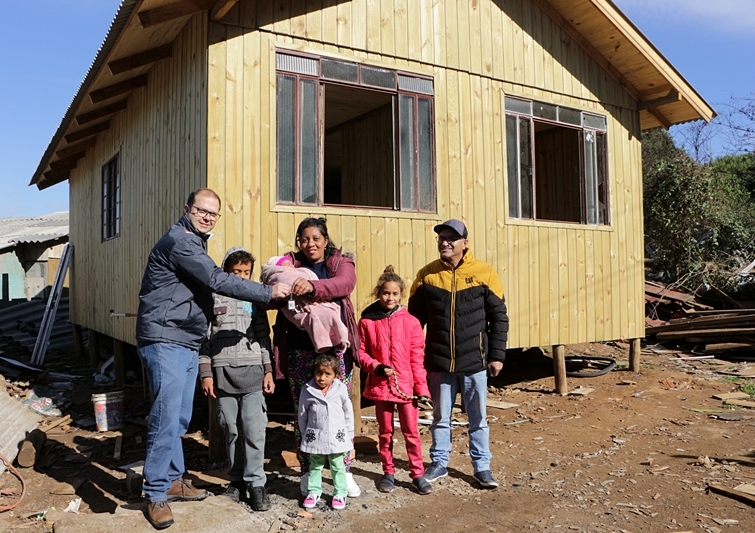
<point>422,486</point>
<point>304,484</point>
<point>485,479</point>
<point>435,471</point>
<point>352,489</point>
<point>338,503</point>
<point>236,490</point>
<point>159,514</point>
<point>258,499</point>
<point>387,483</point>
<point>181,490</point>
<point>310,502</point>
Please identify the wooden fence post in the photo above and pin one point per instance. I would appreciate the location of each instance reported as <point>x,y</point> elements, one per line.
<point>559,369</point>
<point>635,348</point>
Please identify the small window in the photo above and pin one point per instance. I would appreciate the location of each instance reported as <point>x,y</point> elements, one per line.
<point>557,163</point>
<point>355,136</point>
<point>111,199</point>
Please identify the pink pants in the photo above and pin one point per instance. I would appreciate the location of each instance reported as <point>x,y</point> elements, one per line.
<point>408,416</point>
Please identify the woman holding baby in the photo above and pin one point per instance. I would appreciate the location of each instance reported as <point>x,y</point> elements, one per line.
<point>333,281</point>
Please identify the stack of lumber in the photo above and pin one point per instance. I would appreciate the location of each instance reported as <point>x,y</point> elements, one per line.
<point>663,304</point>
<point>713,332</point>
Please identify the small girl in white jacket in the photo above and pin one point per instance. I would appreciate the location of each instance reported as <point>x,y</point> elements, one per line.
<point>326,419</point>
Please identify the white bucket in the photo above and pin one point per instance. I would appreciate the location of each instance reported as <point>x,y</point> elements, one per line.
<point>109,410</point>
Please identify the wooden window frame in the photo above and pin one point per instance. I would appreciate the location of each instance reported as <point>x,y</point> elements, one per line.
<point>406,85</point>
<point>599,214</point>
<point>111,199</point>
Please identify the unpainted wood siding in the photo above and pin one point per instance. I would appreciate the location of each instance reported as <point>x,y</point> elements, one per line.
<point>564,283</point>
<point>161,140</point>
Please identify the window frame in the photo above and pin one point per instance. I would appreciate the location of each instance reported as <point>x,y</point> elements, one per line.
<point>416,87</point>
<point>524,110</point>
<point>111,198</point>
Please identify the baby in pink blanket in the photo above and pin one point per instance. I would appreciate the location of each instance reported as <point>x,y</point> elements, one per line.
<point>321,320</point>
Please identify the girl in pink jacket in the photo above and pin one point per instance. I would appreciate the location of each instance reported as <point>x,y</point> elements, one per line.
<point>391,352</point>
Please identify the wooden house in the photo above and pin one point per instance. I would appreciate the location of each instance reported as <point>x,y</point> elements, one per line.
<point>521,117</point>
<point>30,251</point>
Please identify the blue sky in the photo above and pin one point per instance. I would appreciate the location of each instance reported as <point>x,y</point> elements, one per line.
<point>48,46</point>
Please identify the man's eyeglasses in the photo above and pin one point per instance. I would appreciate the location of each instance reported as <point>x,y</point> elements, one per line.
<point>450,239</point>
<point>204,213</point>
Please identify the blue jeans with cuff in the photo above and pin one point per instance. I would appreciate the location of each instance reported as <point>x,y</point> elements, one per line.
<point>172,373</point>
<point>474,389</point>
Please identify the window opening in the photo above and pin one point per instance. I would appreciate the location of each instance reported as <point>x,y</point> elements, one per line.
<point>556,163</point>
<point>354,135</point>
<point>111,199</point>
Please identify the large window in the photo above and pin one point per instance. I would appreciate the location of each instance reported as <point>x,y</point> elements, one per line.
<point>352,134</point>
<point>557,163</point>
<point>111,199</point>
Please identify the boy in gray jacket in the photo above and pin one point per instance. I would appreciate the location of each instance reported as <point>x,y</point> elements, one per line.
<point>235,368</point>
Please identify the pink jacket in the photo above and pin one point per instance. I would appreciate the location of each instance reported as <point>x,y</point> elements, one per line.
<point>392,340</point>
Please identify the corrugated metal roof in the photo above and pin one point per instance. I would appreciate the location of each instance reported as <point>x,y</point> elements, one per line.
<point>20,323</point>
<point>17,420</point>
<point>43,228</point>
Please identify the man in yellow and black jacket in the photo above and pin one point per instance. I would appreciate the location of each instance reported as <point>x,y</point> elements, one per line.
<point>460,300</point>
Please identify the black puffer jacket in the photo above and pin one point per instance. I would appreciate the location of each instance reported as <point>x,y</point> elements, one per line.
<point>465,314</point>
<point>175,301</point>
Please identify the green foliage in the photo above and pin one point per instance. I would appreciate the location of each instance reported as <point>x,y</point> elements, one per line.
<point>700,219</point>
<point>748,388</point>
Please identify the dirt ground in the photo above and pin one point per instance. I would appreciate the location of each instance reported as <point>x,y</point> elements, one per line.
<point>634,455</point>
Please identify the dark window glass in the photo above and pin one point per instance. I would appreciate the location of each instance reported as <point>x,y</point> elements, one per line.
<point>339,70</point>
<point>546,111</point>
<point>518,106</point>
<point>111,199</point>
<point>286,138</point>
<point>309,146</point>
<point>425,156</point>
<point>407,152</point>
<point>378,77</point>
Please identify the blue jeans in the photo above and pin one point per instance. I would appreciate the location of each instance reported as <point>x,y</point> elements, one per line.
<point>172,373</point>
<point>474,389</point>
<point>243,418</point>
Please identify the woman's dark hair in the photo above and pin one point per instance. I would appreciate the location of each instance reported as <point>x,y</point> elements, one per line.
<point>388,275</point>
<point>239,256</point>
<point>320,224</point>
<point>327,359</point>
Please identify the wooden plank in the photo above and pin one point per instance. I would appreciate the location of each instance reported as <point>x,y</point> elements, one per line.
<point>732,396</point>
<point>221,8</point>
<point>740,403</point>
<point>117,66</point>
<point>705,333</point>
<point>426,30</point>
<point>96,114</point>
<point>359,24</point>
<point>387,30</point>
<point>731,493</point>
<point>118,89</point>
<point>87,132</point>
<point>581,292</point>
<point>167,12</point>
<point>373,22</point>
<point>401,28</point>
<point>463,31</point>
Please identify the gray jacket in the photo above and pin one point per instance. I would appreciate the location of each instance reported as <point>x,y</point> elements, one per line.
<point>175,301</point>
<point>326,421</point>
<point>239,336</point>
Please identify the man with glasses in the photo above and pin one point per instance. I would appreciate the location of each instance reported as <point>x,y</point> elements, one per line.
<point>460,300</point>
<point>175,308</point>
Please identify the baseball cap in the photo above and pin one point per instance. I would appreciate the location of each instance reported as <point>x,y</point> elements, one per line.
<point>454,224</point>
